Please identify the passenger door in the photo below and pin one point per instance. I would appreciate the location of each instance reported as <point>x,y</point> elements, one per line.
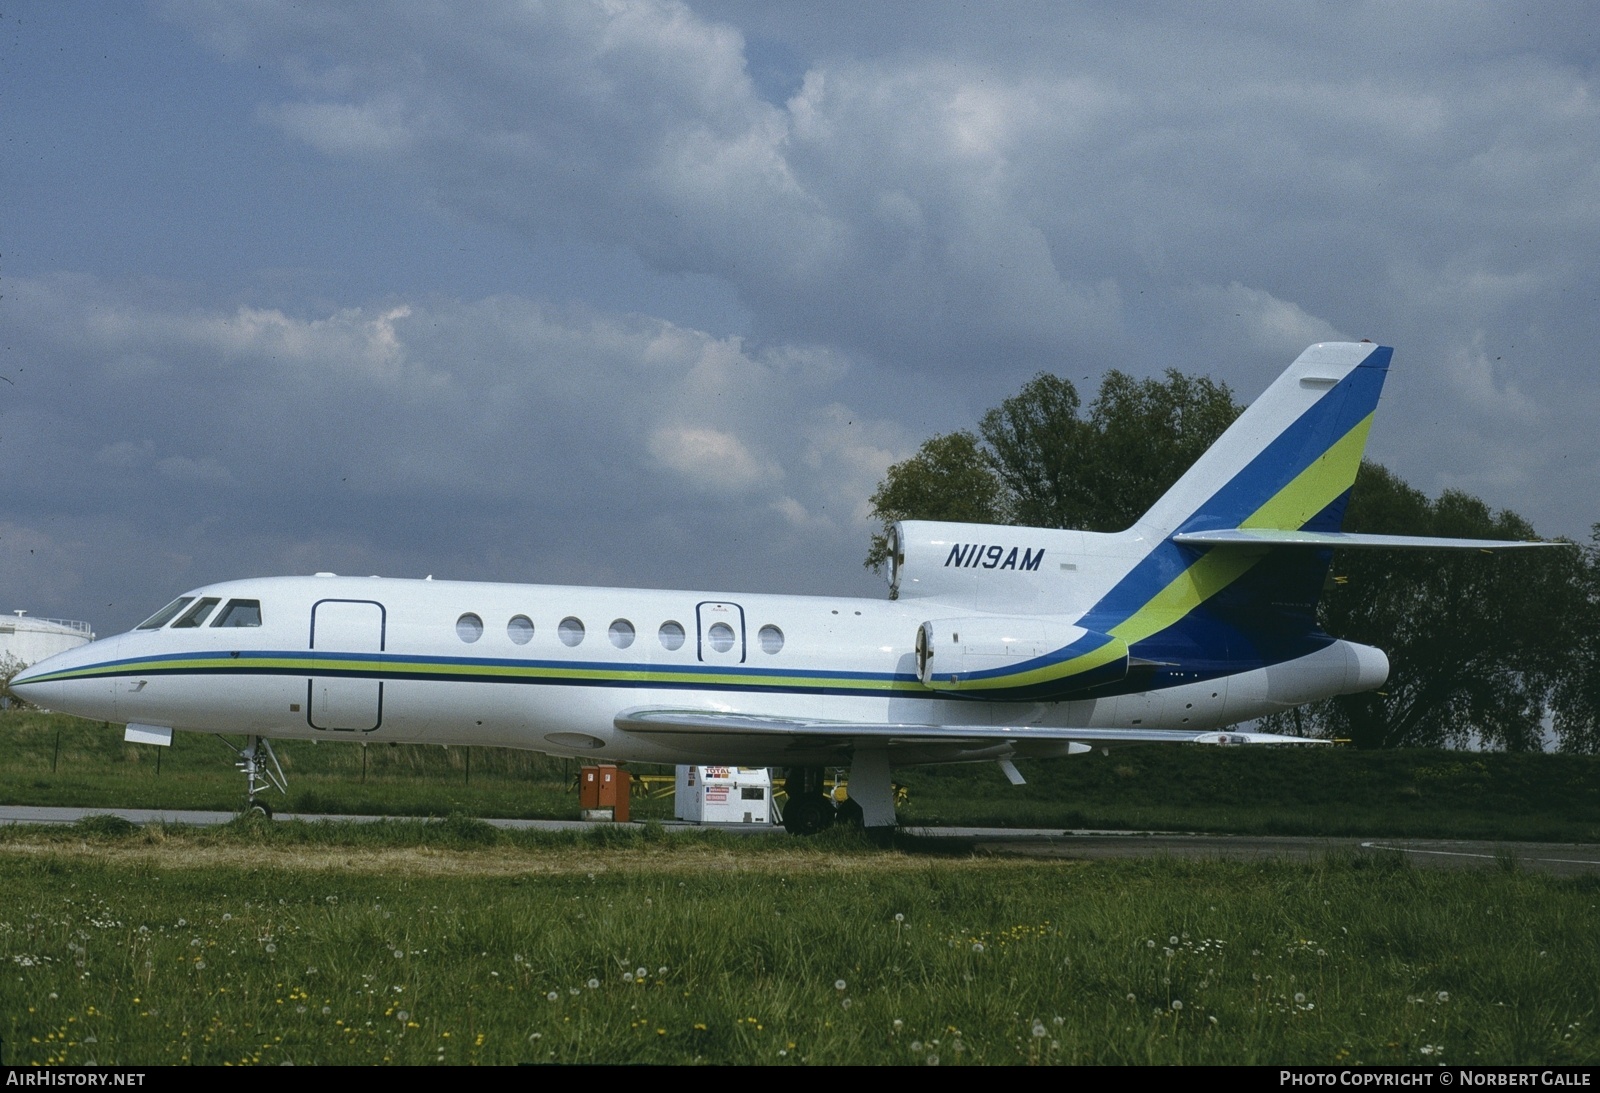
<point>720,636</point>
<point>344,695</point>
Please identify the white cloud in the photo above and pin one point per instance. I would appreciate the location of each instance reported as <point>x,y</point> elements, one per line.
<point>710,459</point>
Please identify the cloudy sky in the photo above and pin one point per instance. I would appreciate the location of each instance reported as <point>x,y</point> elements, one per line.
<point>649,293</point>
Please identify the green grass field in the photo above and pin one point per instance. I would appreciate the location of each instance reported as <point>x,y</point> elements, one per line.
<point>48,759</point>
<point>456,943</point>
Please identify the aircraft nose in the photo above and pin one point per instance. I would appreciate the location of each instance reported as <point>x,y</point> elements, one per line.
<point>50,685</point>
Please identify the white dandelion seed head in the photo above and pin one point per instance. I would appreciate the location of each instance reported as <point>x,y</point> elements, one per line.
<point>594,985</point>
<point>899,917</point>
<point>639,973</point>
<point>1177,1003</point>
<point>1299,996</point>
<point>838,984</point>
<point>1038,1030</point>
<point>627,977</point>
<point>1173,940</point>
<point>1444,996</point>
<point>553,996</point>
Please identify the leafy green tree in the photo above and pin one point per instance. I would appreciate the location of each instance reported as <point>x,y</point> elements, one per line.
<point>1478,644</point>
<point>1103,472</point>
<point>950,478</point>
<point>1575,706</point>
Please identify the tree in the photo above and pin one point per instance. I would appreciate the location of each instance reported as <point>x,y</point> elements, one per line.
<point>1575,705</point>
<point>10,666</point>
<point>1101,474</point>
<point>1478,644</point>
<point>950,478</point>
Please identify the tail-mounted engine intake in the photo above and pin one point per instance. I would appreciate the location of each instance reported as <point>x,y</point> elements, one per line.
<point>1016,658</point>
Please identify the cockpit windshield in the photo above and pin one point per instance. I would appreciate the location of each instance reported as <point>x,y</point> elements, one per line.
<point>165,615</point>
<point>191,613</point>
<point>240,613</point>
<point>196,614</point>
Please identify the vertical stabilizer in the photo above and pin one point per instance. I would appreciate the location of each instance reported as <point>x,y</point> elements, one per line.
<point>1287,464</point>
<point>1289,461</point>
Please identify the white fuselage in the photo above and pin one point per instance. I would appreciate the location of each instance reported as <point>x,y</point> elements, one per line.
<point>386,660</point>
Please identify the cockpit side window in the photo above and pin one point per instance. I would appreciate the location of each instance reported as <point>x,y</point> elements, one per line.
<point>240,613</point>
<point>164,616</point>
<point>196,614</point>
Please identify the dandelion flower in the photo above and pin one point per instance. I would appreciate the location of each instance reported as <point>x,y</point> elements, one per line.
<point>899,917</point>
<point>1177,1004</point>
<point>916,1045</point>
<point>1173,940</point>
<point>977,946</point>
<point>594,985</point>
<point>933,1060</point>
<point>838,984</point>
<point>846,1003</point>
<point>553,996</point>
<point>1299,997</point>
<point>1444,996</point>
<point>627,977</point>
<point>639,973</point>
<point>1038,1030</point>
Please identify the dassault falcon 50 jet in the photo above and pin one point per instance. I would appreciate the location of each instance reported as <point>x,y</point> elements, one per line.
<point>996,642</point>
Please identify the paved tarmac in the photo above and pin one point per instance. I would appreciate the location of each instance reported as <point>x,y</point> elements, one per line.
<point>1557,858</point>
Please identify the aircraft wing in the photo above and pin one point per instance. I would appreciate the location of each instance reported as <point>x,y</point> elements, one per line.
<point>750,728</point>
<point>1272,537</point>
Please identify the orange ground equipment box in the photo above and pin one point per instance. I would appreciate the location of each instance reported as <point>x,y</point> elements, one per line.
<point>603,793</point>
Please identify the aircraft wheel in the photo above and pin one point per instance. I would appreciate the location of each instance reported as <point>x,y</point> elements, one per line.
<point>849,813</point>
<point>259,808</point>
<point>807,815</point>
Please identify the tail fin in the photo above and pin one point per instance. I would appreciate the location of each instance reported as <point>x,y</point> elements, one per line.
<point>1289,461</point>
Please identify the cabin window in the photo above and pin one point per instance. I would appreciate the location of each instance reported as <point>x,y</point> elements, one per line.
<point>520,629</point>
<point>165,615</point>
<point>196,614</point>
<point>771,638</point>
<point>240,613</point>
<point>571,631</point>
<point>672,635</point>
<point>721,637</point>
<point>621,633</point>
<point>469,628</point>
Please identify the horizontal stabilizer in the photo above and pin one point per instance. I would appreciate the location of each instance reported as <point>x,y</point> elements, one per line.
<point>831,733</point>
<point>1271,537</point>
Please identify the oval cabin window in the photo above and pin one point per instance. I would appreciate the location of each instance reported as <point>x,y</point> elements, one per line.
<point>520,629</point>
<point>571,631</point>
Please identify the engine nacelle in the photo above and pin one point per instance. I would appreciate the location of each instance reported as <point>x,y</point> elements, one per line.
<point>1035,659</point>
<point>978,563</point>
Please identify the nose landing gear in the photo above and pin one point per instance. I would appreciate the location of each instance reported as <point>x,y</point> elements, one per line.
<point>257,773</point>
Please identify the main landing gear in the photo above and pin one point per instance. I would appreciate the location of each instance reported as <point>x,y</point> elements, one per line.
<point>870,804</point>
<point>257,773</point>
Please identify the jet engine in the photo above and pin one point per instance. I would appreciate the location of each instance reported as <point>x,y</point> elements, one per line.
<point>1016,658</point>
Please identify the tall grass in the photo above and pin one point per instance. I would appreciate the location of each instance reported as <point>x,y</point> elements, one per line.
<point>167,946</point>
